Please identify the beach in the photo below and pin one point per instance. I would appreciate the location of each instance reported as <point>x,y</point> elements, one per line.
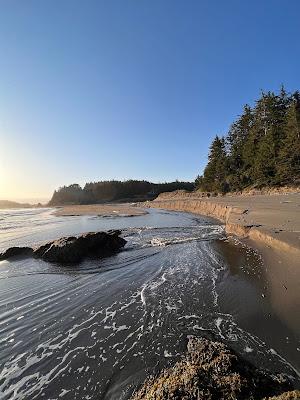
<point>272,219</point>
<point>268,223</point>
<point>129,315</point>
<point>124,210</point>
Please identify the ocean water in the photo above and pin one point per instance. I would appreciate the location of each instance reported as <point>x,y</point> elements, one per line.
<point>96,330</point>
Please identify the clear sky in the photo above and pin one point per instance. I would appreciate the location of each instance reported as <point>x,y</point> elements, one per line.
<point>93,90</point>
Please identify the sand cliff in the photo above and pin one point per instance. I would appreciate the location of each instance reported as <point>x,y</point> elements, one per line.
<point>273,220</point>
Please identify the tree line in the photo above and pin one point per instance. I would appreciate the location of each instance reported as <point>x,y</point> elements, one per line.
<point>106,191</point>
<point>261,148</point>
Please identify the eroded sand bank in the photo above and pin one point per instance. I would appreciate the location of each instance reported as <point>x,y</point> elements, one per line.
<point>274,220</point>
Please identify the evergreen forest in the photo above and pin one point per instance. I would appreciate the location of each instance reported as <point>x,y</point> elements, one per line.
<point>261,148</point>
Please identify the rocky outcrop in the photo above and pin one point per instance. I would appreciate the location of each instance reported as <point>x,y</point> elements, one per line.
<point>72,249</point>
<point>210,371</point>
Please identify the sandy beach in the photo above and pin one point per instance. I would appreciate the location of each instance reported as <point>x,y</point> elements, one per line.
<point>124,210</point>
<point>277,215</point>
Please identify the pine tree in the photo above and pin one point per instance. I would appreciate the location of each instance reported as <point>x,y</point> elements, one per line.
<point>238,134</point>
<point>268,136</point>
<point>214,178</point>
<point>199,182</point>
<point>288,169</point>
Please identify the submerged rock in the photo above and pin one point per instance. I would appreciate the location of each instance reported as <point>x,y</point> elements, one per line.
<point>72,249</point>
<point>211,371</point>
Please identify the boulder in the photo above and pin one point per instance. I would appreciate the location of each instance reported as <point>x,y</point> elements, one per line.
<point>73,249</point>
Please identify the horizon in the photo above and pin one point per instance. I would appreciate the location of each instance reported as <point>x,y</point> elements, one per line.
<point>125,90</point>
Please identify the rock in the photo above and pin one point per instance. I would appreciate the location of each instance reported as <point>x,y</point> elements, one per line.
<point>16,252</point>
<point>72,249</point>
<point>75,249</point>
<point>209,370</point>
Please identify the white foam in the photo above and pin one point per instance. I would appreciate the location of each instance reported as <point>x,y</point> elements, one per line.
<point>218,325</point>
<point>64,392</point>
<point>143,299</point>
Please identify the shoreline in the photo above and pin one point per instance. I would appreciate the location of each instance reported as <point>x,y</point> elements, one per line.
<point>102,210</point>
<point>254,221</point>
<point>273,220</point>
<point>268,224</point>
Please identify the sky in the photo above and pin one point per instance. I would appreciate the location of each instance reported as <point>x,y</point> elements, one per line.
<point>94,90</point>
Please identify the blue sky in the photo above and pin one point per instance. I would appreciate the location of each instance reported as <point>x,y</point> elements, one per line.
<point>93,90</point>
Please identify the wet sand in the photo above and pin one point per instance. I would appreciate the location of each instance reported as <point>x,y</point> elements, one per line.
<point>124,210</point>
<point>282,283</point>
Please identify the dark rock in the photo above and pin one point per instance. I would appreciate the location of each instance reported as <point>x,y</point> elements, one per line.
<point>75,249</point>
<point>16,252</point>
<point>72,249</point>
<point>210,371</point>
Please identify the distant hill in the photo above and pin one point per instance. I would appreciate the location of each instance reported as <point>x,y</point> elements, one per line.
<point>117,191</point>
<point>12,204</point>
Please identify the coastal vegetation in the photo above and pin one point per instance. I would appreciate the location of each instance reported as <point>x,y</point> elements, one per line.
<point>262,147</point>
<point>104,191</point>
